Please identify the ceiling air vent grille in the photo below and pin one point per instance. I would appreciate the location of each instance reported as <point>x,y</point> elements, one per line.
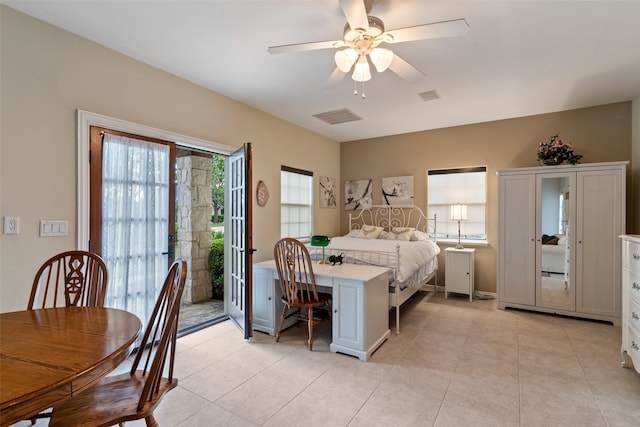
<point>337,116</point>
<point>429,96</point>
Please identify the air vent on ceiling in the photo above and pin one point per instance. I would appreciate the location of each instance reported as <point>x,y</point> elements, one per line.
<point>429,95</point>
<point>337,116</point>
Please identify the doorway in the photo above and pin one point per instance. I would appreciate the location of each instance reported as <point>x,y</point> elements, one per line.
<point>188,148</point>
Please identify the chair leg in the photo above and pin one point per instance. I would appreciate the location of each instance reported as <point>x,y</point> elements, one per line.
<point>284,314</point>
<point>310,321</point>
<point>151,421</point>
<point>328,306</point>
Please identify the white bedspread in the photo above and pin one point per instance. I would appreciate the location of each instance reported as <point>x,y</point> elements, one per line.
<point>415,256</point>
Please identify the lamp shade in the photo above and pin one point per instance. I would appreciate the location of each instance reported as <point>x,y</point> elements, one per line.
<point>345,59</point>
<point>319,240</point>
<point>361,72</point>
<point>459,212</point>
<point>381,58</point>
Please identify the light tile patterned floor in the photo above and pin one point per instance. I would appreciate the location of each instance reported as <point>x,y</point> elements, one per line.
<point>455,363</point>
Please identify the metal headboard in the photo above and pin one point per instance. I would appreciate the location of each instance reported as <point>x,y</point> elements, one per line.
<point>389,217</point>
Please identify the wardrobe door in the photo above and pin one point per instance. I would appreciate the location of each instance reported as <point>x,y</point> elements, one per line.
<point>598,253</point>
<point>555,216</point>
<point>516,239</point>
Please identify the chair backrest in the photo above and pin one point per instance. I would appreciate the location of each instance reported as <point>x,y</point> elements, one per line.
<point>158,345</point>
<point>294,266</point>
<point>72,278</point>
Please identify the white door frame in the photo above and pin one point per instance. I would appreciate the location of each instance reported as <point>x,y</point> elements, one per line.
<point>85,120</point>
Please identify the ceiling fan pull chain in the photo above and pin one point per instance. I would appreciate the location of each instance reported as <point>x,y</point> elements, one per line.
<point>363,94</point>
<point>355,88</point>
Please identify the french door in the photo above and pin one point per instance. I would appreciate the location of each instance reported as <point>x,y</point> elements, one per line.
<point>238,238</point>
<point>132,221</point>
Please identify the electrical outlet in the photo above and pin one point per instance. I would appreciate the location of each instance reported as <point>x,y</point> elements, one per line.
<point>11,225</point>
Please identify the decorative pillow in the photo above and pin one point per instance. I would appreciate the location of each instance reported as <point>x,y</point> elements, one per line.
<point>549,240</point>
<point>383,236</point>
<point>401,233</point>
<point>419,236</point>
<point>354,233</point>
<point>370,232</point>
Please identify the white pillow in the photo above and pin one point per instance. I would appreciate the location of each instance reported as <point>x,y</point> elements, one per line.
<point>419,236</point>
<point>400,235</point>
<point>370,232</point>
<point>562,239</point>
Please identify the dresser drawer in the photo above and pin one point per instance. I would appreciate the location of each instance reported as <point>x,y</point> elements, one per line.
<point>632,314</point>
<point>631,255</point>
<point>631,284</point>
<point>631,344</point>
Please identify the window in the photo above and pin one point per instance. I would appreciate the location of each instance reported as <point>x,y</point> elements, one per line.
<point>296,203</point>
<point>467,186</point>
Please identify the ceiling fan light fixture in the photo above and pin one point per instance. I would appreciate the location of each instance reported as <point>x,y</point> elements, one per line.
<point>345,59</point>
<point>361,72</point>
<point>381,58</point>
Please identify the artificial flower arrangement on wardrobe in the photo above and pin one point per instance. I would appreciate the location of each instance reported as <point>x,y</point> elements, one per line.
<point>554,151</point>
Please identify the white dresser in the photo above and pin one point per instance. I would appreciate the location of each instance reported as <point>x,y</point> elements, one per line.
<point>631,301</point>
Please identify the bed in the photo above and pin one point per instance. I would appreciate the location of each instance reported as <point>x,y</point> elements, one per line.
<point>554,254</point>
<point>390,236</point>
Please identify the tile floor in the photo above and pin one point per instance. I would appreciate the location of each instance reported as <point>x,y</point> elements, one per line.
<point>455,363</point>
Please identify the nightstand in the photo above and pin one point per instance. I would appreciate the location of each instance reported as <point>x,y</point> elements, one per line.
<point>458,275</point>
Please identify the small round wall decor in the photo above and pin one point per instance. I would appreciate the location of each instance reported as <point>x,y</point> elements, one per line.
<point>262,193</point>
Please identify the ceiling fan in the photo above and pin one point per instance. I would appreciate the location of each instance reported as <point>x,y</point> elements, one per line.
<point>364,34</point>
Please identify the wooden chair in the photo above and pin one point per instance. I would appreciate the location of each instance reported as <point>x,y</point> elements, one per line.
<point>134,395</point>
<point>72,278</point>
<point>298,283</point>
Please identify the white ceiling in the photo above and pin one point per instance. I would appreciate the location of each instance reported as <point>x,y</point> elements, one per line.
<point>519,57</point>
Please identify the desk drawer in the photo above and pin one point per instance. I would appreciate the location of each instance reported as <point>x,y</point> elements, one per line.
<point>324,281</point>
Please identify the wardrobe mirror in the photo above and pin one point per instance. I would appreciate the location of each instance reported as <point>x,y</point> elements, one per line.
<point>555,227</point>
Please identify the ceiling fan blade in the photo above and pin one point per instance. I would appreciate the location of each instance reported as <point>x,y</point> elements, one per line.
<point>405,70</point>
<point>300,47</point>
<point>456,27</point>
<point>356,14</point>
<point>335,78</point>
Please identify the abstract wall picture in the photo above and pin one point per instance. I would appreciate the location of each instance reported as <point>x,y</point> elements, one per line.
<point>328,192</point>
<point>397,190</point>
<point>358,194</point>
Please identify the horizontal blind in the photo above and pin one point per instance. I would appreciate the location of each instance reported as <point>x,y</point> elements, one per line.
<point>296,202</point>
<point>467,186</point>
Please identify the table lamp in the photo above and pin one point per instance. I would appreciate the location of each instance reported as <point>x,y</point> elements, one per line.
<point>459,213</point>
<point>321,241</point>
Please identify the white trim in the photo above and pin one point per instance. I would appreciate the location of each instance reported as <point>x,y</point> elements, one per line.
<point>87,119</point>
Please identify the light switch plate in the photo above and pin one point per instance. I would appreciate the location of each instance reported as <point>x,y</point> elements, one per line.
<point>54,228</point>
<point>11,225</point>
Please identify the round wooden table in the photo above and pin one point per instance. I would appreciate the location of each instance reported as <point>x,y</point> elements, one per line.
<point>49,355</point>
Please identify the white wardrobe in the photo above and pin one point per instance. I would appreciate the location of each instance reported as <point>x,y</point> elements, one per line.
<point>579,212</point>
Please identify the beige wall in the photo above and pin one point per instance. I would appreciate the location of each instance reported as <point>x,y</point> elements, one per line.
<point>46,74</point>
<point>635,148</point>
<point>601,134</point>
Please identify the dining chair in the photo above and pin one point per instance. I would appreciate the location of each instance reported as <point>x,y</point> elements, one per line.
<point>298,284</point>
<point>134,395</point>
<point>72,278</point>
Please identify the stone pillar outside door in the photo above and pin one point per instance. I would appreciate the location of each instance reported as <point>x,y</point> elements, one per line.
<point>193,217</point>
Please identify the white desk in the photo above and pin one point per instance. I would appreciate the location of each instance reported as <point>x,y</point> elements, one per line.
<point>360,304</point>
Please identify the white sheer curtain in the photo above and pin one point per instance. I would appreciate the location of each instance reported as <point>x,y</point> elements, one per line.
<point>135,221</point>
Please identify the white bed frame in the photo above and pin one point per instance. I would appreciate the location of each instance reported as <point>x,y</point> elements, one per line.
<point>389,217</point>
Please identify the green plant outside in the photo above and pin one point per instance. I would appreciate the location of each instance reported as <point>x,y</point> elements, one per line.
<point>216,264</point>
